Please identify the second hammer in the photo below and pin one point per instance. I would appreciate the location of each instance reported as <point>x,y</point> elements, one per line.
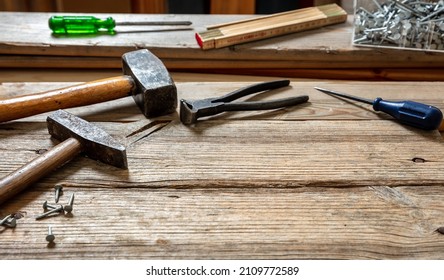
<point>145,78</point>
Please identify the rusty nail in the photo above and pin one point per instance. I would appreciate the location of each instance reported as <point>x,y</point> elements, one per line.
<point>50,236</point>
<point>46,214</point>
<point>5,219</point>
<point>9,221</point>
<point>58,192</point>
<point>47,206</point>
<point>68,207</point>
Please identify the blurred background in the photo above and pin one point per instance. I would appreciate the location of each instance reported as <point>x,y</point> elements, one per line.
<point>165,6</point>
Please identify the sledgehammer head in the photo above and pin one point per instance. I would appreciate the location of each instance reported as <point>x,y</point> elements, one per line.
<point>155,92</point>
<point>96,143</point>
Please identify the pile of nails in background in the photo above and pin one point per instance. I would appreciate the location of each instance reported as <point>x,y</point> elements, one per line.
<point>400,23</point>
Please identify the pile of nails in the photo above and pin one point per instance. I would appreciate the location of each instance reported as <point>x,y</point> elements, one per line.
<point>400,23</point>
<point>54,210</point>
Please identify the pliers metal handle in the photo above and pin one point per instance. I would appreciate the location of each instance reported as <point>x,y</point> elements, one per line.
<point>190,111</point>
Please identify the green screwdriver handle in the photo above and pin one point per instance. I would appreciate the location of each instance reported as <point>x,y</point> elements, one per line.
<point>81,25</point>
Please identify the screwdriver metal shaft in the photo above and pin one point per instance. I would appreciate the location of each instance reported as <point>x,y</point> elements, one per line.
<point>408,112</point>
<point>352,97</point>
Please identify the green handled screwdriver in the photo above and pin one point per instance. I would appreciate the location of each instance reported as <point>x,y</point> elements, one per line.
<point>411,113</point>
<point>92,25</point>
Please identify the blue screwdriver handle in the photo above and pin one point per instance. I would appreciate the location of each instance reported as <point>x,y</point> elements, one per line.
<point>411,113</point>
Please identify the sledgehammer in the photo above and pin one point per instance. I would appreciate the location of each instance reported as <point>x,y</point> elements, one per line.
<point>145,78</point>
<point>78,136</point>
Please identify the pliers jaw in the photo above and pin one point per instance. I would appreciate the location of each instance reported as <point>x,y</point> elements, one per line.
<point>191,110</point>
<point>188,114</point>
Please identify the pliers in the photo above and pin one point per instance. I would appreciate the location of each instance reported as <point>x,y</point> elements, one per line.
<point>190,111</point>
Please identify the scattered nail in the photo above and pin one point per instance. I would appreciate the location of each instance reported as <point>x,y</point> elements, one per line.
<point>9,221</point>
<point>5,219</point>
<point>58,192</point>
<point>68,207</point>
<point>47,206</point>
<point>52,211</point>
<point>50,237</point>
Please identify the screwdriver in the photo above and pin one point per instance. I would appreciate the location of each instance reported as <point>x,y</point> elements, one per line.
<point>411,113</point>
<point>93,25</point>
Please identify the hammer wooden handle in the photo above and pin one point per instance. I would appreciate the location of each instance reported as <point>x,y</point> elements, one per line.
<point>39,167</point>
<point>79,95</point>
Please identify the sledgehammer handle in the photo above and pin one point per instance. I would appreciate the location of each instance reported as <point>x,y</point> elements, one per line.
<point>78,95</point>
<point>29,173</point>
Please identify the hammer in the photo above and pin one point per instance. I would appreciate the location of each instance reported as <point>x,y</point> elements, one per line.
<point>78,136</point>
<point>145,78</point>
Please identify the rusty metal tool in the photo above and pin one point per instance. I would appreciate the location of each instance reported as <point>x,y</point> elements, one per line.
<point>145,78</point>
<point>190,111</point>
<point>78,136</point>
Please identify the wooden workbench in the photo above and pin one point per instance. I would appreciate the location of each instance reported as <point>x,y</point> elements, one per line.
<point>323,180</point>
<point>26,41</point>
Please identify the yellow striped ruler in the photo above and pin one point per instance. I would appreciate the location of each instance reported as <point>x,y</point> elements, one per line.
<point>222,35</point>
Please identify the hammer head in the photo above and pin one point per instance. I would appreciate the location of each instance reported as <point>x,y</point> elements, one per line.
<point>155,92</point>
<point>96,143</point>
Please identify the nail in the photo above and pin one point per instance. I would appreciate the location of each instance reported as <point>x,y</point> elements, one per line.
<point>5,219</point>
<point>50,237</point>
<point>378,5</point>
<point>58,192</point>
<point>11,223</point>
<point>363,39</point>
<point>432,14</point>
<point>46,206</point>
<point>46,214</point>
<point>366,11</point>
<point>68,208</point>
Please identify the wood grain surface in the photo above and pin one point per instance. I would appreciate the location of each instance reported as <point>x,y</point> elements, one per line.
<point>27,42</point>
<point>324,180</point>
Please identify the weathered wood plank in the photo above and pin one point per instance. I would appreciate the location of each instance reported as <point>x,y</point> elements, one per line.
<point>328,47</point>
<point>320,106</point>
<point>375,222</point>
<point>325,180</point>
<point>249,153</point>
<point>291,69</point>
<point>360,74</point>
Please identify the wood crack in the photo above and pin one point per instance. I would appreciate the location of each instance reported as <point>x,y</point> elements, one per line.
<point>146,130</point>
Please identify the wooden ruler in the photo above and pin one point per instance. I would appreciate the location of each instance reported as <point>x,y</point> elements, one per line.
<point>222,35</point>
